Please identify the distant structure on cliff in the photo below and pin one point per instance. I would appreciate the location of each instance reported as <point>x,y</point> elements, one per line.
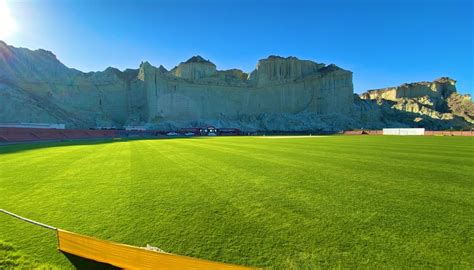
<point>281,94</point>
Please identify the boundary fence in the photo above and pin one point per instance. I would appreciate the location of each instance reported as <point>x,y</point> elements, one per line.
<point>17,135</point>
<point>427,132</point>
<point>125,256</point>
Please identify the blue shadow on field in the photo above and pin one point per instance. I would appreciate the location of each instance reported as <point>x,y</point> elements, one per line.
<point>27,146</point>
<point>85,264</point>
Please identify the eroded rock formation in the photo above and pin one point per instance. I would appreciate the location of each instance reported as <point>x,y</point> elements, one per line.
<point>284,94</point>
<point>435,104</point>
<point>193,93</point>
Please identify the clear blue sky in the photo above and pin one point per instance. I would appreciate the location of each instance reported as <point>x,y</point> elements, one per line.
<point>385,43</point>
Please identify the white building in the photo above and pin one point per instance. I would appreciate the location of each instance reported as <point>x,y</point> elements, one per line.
<point>135,128</point>
<point>403,131</point>
<point>33,125</point>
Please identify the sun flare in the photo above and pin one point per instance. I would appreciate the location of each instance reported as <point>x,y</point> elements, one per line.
<point>8,25</point>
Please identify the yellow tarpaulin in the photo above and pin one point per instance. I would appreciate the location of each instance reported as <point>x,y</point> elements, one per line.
<point>131,257</point>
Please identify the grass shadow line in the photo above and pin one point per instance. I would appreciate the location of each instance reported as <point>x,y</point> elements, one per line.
<point>86,264</point>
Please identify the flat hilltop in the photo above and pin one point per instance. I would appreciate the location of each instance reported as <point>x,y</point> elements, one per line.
<point>286,203</point>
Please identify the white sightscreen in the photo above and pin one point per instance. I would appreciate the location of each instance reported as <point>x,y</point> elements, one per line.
<point>403,131</point>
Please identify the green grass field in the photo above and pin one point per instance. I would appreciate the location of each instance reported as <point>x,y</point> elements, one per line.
<point>283,203</point>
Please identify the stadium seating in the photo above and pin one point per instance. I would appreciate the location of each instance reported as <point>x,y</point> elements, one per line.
<point>427,132</point>
<point>2,139</point>
<point>374,132</point>
<point>17,134</point>
<point>355,132</point>
<point>449,133</point>
<point>43,134</point>
<point>48,134</point>
<point>9,135</point>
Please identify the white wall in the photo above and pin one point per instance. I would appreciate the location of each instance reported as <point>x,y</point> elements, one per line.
<point>135,128</point>
<point>33,125</point>
<point>403,131</point>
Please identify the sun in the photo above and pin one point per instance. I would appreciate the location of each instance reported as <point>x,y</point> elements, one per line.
<point>8,25</point>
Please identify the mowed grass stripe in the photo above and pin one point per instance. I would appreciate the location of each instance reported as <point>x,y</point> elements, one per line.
<point>203,192</point>
<point>337,143</point>
<point>38,198</point>
<point>287,203</point>
<point>221,175</point>
<point>364,162</point>
<point>206,162</point>
<point>71,182</point>
<point>435,161</point>
<point>442,152</point>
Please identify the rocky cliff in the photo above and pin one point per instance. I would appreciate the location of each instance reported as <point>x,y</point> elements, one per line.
<point>285,94</point>
<point>435,104</point>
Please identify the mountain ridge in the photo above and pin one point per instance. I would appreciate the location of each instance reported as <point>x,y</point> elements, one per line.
<point>281,93</point>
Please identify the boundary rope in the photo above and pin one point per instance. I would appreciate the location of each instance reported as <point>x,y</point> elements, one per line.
<point>125,256</point>
<point>29,220</point>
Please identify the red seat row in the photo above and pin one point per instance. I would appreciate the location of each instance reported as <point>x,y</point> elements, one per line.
<point>40,134</point>
<point>427,132</point>
<point>449,133</point>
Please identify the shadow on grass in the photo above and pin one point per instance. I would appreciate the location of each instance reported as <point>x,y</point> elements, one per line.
<point>27,146</point>
<point>85,264</point>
